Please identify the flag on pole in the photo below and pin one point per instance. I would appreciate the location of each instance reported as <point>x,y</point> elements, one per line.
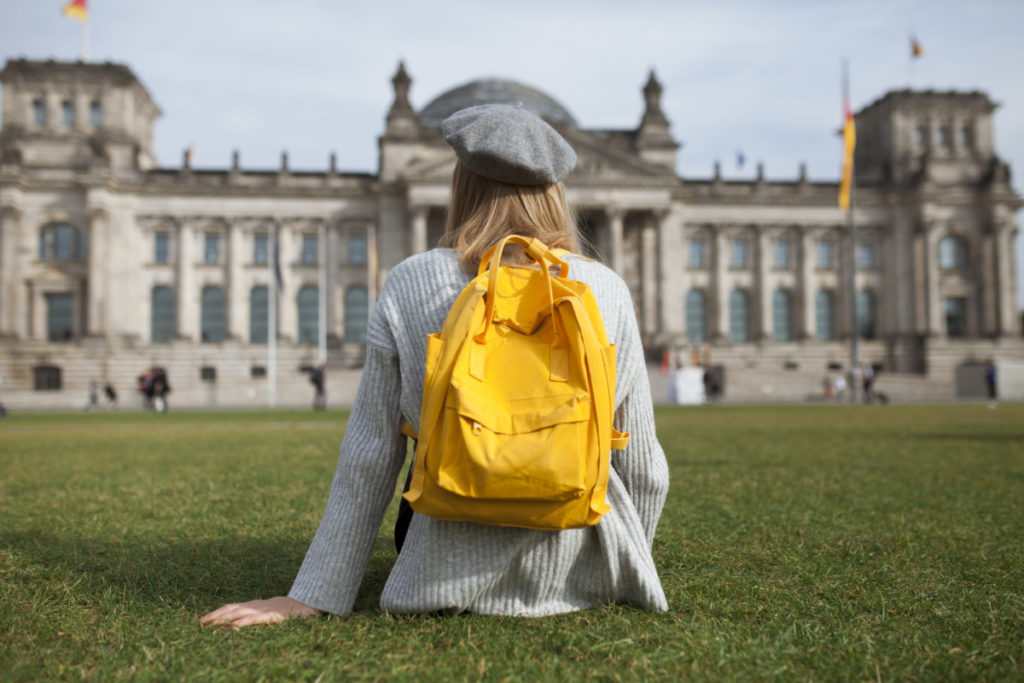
<point>371,262</point>
<point>916,49</point>
<point>76,9</point>
<point>849,142</point>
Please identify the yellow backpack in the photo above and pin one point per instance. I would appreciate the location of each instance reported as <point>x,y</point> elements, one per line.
<point>516,423</point>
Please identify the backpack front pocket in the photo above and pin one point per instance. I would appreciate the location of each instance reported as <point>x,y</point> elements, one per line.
<point>522,449</point>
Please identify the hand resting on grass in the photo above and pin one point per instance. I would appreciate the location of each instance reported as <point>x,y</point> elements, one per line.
<point>272,611</point>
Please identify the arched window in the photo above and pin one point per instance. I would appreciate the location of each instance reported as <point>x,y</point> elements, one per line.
<point>357,311</point>
<point>696,316</point>
<point>163,315</point>
<point>825,315</point>
<point>61,242</point>
<point>212,317</point>
<point>258,315</point>
<point>739,316</point>
<point>866,314</point>
<point>782,316</point>
<point>309,314</point>
<point>952,253</point>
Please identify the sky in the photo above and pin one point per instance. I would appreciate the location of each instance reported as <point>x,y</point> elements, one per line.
<point>759,76</point>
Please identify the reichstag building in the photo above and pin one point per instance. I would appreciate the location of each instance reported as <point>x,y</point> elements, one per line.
<point>111,265</point>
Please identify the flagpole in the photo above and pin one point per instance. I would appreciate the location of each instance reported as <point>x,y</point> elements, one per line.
<point>272,319</point>
<point>852,257</point>
<point>85,40</point>
<point>322,298</point>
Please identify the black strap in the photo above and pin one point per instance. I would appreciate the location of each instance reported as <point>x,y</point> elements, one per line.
<point>404,509</point>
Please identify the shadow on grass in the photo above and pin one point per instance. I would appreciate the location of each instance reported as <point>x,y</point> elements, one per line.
<point>196,575</point>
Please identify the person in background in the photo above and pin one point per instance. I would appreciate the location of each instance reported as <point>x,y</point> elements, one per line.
<point>867,381</point>
<point>990,382</point>
<point>318,378</point>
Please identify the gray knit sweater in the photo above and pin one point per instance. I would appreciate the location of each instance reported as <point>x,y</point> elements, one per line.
<point>460,566</point>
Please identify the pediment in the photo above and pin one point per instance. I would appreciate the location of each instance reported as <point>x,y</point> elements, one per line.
<point>600,160</point>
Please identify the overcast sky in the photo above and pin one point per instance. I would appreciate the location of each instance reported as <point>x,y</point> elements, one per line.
<point>313,76</point>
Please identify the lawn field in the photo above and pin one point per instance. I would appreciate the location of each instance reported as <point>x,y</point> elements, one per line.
<point>821,542</point>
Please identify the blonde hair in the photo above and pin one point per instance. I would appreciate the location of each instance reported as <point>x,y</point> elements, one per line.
<point>482,211</point>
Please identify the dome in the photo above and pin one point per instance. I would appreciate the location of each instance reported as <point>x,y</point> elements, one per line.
<point>494,91</point>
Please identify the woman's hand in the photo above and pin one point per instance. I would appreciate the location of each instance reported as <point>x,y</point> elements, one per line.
<point>272,611</point>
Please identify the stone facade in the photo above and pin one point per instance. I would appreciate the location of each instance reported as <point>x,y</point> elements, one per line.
<point>110,264</point>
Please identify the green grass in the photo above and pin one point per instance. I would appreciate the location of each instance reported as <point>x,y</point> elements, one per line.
<point>819,543</point>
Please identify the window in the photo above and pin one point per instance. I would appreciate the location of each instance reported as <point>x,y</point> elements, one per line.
<point>309,250</point>
<point>826,255</point>
<point>208,373</point>
<point>967,137</point>
<point>357,311</point>
<point>824,315</point>
<point>944,137</point>
<point>46,377</point>
<point>259,300</point>
<point>696,316</point>
<point>956,316</point>
<point>211,248</point>
<point>162,247</point>
<point>259,248</point>
<point>920,136</point>
<point>697,258</point>
<point>60,317</point>
<point>782,317</point>
<point>257,371</point>
<point>866,256</point>
<point>866,314</point>
<point>61,242</point>
<point>39,111</point>
<point>96,113</point>
<point>163,315</point>
<point>739,316</point>
<point>67,110</point>
<point>357,250</point>
<point>783,255</point>
<point>309,315</point>
<point>952,253</point>
<point>739,253</point>
<point>211,315</point>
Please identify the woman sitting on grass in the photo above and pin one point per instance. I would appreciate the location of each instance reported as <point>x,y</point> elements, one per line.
<point>507,181</point>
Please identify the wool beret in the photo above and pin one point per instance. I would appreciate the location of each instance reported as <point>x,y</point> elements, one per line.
<point>508,144</point>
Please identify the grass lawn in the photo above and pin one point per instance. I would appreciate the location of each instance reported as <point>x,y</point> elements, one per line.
<point>818,542</point>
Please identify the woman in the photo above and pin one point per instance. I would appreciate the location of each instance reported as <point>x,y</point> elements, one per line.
<point>507,180</point>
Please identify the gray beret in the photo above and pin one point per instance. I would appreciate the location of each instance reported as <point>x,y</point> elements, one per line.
<point>508,144</point>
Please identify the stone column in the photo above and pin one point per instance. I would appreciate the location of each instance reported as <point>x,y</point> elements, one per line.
<point>331,254</point>
<point>990,299</point>
<point>718,297</point>
<point>418,243</point>
<point>237,291</point>
<point>934,305</point>
<point>806,290</point>
<point>1007,287</point>
<point>761,296</point>
<point>99,266</point>
<point>186,296</point>
<point>615,216</point>
<point>13,302</point>
<point>649,275</point>
<point>288,307</point>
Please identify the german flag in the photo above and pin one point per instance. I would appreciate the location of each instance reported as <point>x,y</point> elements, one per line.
<point>76,9</point>
<point>849,142</point>
<point>916,49</point>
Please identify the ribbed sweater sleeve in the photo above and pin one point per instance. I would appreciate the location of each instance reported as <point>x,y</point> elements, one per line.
<point>371,457</point>
<point>642,466</point>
